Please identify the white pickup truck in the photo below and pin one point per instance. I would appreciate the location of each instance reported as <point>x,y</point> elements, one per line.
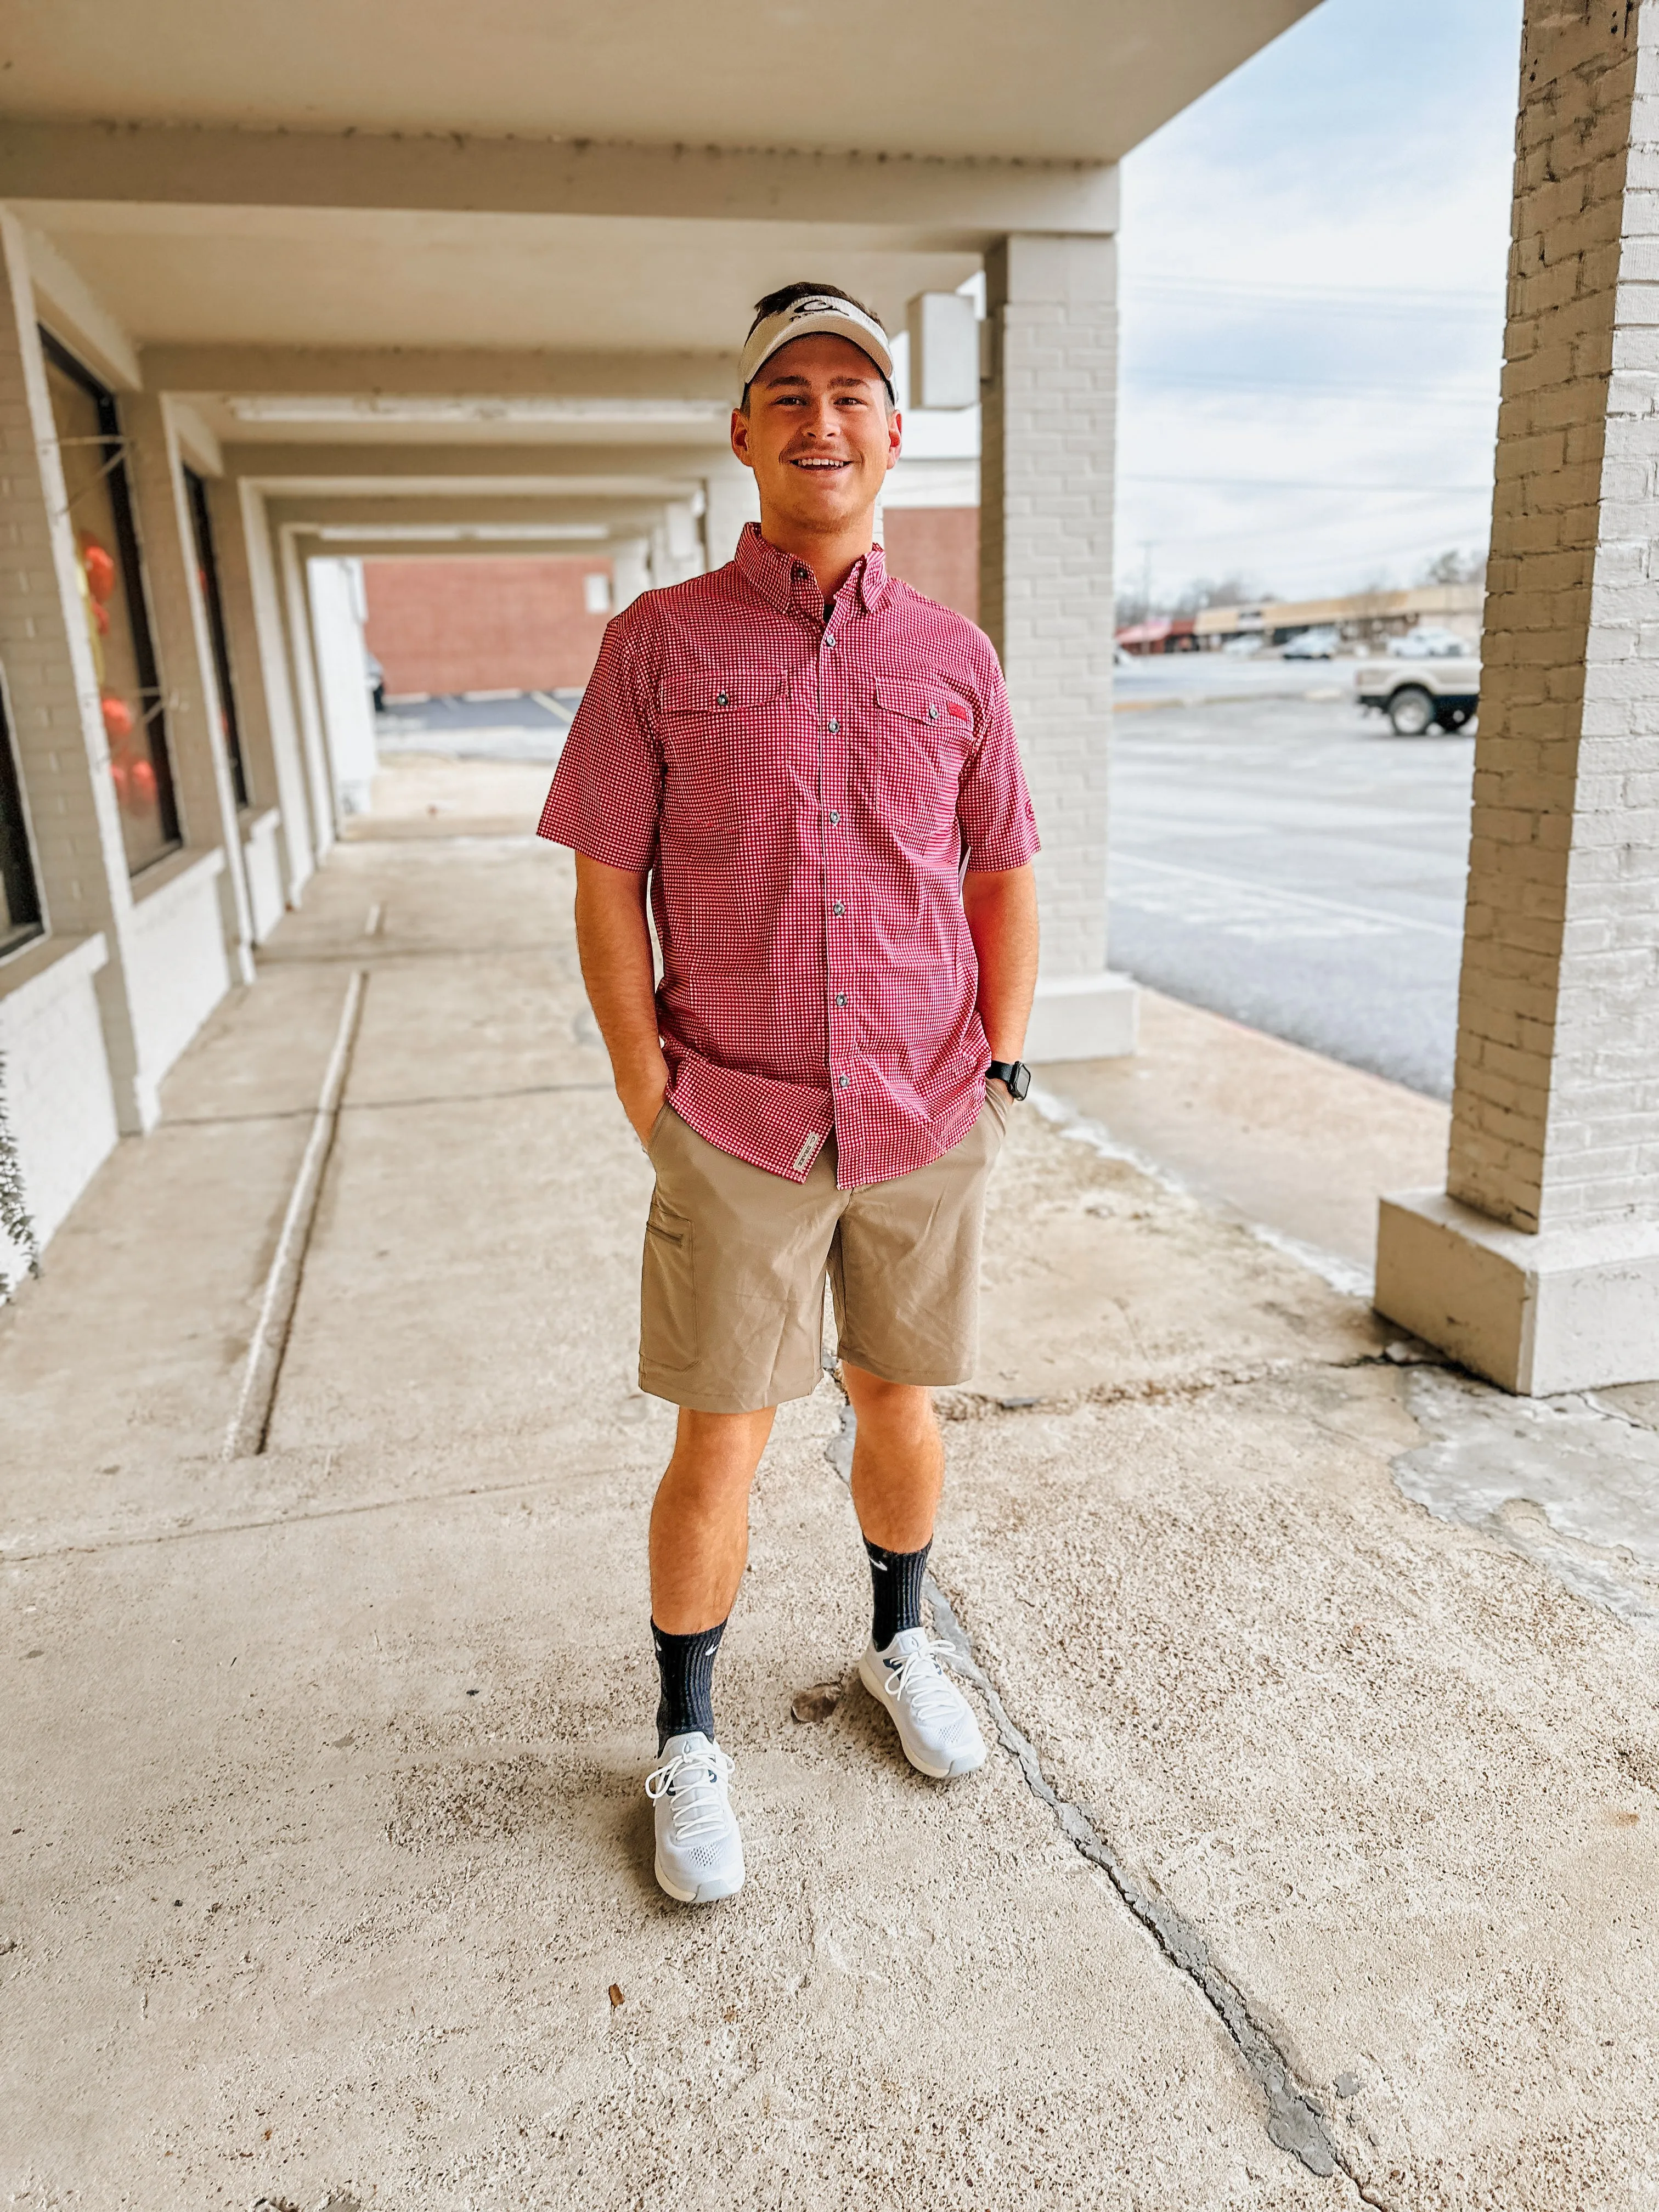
<point>1417,695</point>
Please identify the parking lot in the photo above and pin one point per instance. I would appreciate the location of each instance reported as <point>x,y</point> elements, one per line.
<point>1293,863</point>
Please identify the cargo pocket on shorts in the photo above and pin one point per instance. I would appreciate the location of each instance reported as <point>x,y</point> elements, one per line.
<point>668,1302</point>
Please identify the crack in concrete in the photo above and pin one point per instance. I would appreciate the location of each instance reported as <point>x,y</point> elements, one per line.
<point>379,1105</point>
<point>1295,2123</point>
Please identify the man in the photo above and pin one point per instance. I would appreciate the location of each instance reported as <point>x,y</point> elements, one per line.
<point>797,754</point>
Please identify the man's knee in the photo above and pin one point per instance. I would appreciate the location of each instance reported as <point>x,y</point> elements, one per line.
<point>895,1404</point>
<point>719,1451</point>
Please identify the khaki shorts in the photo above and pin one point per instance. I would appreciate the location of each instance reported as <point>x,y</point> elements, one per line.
<point>731,1291</point>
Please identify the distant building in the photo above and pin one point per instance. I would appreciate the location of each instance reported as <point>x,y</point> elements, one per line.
<point>1365,618</point>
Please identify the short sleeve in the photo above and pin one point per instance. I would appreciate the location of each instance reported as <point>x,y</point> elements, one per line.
<point>607,794</point>
<point>994,807</point>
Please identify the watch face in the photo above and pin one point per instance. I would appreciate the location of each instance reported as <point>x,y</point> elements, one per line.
<point>1022,1082</point>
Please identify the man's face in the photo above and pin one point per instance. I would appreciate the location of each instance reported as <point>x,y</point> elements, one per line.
<point>818,433</point>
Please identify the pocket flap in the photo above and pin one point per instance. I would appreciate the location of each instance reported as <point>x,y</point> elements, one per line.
<point>719,691</point>
<point>919,702</point>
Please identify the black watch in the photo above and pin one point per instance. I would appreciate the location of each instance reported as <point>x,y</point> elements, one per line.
<point>1014,1074</point>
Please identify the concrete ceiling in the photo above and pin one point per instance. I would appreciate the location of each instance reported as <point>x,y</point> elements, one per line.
<point>309,276</point>
<point>1046,80</point>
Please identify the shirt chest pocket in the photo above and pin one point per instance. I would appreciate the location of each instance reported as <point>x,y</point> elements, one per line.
<point>725,740</point>
<point>911,768</point>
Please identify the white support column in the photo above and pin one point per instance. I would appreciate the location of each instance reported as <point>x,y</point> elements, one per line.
<point>253,622</point>
<point>730,501</point>
<point>43,645</point>
<point>302,673</point>
<point>1539,1265</point>
<point>1049,420</point>
<point>676,545</point>
<point>630,570</point>
<point>334,589</point>
<point>201,767</point>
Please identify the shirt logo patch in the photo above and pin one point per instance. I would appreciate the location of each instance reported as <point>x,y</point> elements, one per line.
<point>956,711</point>
<point>803,1157</point>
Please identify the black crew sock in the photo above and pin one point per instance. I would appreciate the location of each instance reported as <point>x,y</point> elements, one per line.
<point>896,1579</point>
<point>686,1664</point>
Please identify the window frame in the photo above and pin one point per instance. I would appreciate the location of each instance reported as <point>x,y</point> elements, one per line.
<point>18,871</point>
<point>207,565</point>
<point>152,699</point>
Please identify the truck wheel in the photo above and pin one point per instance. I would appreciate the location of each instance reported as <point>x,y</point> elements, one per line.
<point>1411,710</point>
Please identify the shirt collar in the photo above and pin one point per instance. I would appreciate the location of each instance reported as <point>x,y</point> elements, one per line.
<point>785,581</point>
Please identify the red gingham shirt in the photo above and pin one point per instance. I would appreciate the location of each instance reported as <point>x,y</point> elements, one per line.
<point>805,793</point>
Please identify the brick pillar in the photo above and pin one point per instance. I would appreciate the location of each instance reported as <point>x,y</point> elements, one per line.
<point>85,888</point>
<point>1046,480</point>
<point>1540,1264</point>
<point>206,797</point>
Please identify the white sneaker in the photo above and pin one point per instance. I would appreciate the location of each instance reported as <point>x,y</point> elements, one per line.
<point>699,1850</point>
<point>935,1721</point>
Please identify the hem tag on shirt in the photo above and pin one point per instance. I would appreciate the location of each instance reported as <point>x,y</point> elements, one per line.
<point>803,1157</point>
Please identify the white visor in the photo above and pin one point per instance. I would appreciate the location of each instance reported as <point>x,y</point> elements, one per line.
<point>817,311</point>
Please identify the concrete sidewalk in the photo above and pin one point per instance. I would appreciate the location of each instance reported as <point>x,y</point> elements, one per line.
<point>1318,1865</point>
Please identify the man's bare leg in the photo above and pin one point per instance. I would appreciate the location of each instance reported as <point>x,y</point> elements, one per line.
<point>699,1519</point>
<point>898,1461</point>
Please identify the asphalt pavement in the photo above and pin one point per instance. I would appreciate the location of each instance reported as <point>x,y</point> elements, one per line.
<point>1291,863</point>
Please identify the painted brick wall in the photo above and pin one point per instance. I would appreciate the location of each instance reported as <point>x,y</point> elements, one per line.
<point>937,550</point>
<point>483,625</point>
<point>1556,1111</point>
<point>58,1099</point>
<point>1046,477</point>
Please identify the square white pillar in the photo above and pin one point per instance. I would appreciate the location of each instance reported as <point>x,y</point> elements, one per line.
<point>1539,1266</point>
<point>1046,600</point>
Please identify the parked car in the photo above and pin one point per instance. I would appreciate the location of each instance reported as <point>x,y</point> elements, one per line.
<point>1427,642</point>
<point>1314,645</point>
<point>1249,643</point>
<point>1424,694</point>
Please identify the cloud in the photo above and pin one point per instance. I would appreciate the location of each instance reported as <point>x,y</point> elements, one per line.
<point>1313,261</point>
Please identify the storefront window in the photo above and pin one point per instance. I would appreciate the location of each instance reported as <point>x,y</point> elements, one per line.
<point>19,899</point>
<point>113,601</point>
<point>207,572</point>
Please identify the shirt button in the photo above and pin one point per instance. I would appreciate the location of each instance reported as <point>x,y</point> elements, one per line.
<point>834,817</point>
<point>838,908</point>
<point>829,637</point>
<point>720,700</point>
<point>841,998</point>
<point>834,728</point>
<point>843,1080</point>
<point>933,712</point>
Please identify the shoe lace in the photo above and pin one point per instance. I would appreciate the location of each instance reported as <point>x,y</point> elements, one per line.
<point>931,1695</point>
<point>692,1780</point>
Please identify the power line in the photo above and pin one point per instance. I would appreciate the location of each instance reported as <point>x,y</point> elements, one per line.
<point>1303,483</point>
<point>1333,299</point>
<point>1441,395</point>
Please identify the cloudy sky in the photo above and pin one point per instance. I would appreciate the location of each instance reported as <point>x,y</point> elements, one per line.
<point>1313,261</point>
